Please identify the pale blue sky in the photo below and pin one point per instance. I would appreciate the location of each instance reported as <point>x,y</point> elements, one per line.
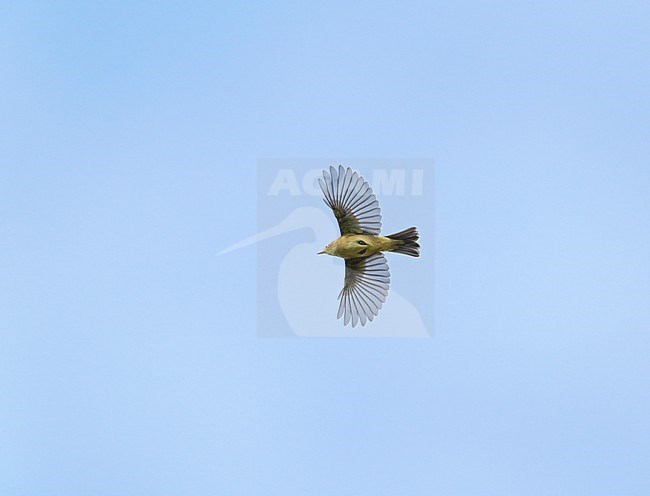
<point>129,362</point>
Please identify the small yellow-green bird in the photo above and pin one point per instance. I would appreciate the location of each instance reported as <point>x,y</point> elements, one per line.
<point>357,211</point>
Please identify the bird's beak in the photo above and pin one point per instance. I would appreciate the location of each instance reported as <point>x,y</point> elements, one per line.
<point>320,253</point>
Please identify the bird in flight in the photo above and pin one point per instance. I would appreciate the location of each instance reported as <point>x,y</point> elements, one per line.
<point>357,211</point>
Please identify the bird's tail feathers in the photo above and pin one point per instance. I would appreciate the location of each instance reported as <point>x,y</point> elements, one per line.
<point>406,242</point>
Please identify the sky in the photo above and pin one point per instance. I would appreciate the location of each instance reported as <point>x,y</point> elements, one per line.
<point>130,355</point>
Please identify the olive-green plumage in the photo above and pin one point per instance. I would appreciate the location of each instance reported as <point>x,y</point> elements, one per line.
<point>359,245</point>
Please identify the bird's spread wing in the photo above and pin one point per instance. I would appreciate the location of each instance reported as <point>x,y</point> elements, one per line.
<point>351,198</point>
<point>365,289</point>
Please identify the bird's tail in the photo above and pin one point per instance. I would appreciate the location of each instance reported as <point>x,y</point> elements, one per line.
<point>406,242</point>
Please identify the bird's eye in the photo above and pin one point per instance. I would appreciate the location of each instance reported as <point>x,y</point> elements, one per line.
<point>362,243</point>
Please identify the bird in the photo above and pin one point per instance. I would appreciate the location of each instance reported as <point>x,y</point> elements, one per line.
<point>367,276</point>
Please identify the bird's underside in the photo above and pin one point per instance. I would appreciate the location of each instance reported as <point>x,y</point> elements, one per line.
<point>367,277</point>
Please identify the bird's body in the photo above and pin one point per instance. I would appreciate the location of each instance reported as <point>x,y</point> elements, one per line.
<point>366,270</point>
<point>358,245</point>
